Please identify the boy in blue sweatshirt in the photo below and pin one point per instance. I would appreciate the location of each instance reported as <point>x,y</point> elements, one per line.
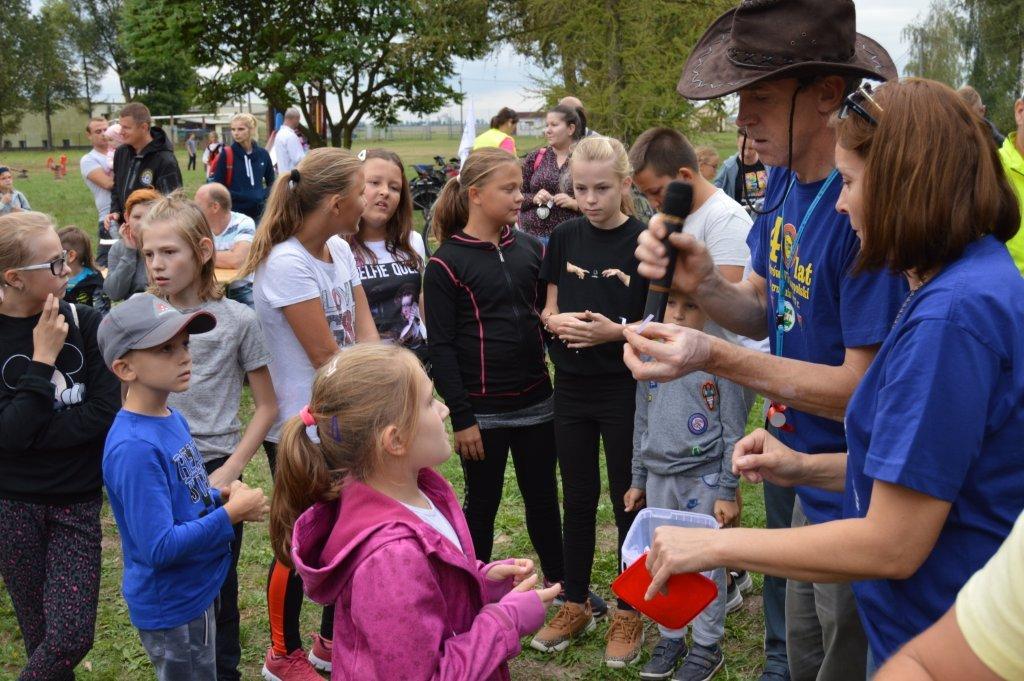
<point>176,530</point>
<point>688,469</point>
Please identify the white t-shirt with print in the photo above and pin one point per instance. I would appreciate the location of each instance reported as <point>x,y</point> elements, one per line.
<point>292,275</point>
<point>94,160</point>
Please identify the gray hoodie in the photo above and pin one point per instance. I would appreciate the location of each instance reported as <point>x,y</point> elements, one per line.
<point>688,426</point>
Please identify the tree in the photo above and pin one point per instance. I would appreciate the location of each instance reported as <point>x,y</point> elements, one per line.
<point>14,21</point>
<point>935,48</point>
<point>371,57</point>
<point>993,34</point>
<point>101,26</point>
<point>50,68</point>
<point>157,73</point>
<point>623,58</point>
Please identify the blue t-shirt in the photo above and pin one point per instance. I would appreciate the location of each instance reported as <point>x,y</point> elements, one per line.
<point>175,536</point>
<point>829,310</point>
<point>939,412</point>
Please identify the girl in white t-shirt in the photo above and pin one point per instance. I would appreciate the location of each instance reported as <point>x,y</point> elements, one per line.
<point>389,254</point>
<point>310,304</point>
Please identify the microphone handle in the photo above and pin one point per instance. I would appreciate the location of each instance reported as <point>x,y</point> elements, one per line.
<point>657,292</point>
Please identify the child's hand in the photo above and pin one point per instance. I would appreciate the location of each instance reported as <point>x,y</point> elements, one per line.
<point>49,333</point>
<point>726,512</point>
<point>547,594</point>
<point>469,444</point>
<point>518,571</point>
<point>593,328</point>
<point>563,200</point>
<point>224,476</point>
<point>246,503</point>
<point>635,499</point>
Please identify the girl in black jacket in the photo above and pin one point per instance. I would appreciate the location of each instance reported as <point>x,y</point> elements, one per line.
<point>486,348</point>
<point>57,401</point>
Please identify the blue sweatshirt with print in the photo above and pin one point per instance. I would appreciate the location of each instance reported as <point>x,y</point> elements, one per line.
<point>175,535</point>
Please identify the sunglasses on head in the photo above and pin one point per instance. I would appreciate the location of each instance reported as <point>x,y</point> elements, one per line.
<point>858,101</point>
<point>56,266</point>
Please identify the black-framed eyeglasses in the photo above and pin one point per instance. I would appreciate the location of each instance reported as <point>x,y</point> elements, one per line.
<point>857,102</point>
<point>56,266</point>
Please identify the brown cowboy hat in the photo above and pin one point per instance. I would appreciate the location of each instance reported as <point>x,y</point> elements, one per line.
<point>768,39</point>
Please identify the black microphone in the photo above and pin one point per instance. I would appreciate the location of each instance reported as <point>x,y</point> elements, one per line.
<point>677,205</point>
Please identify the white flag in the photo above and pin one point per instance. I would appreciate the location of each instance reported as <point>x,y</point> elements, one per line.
<point>468,131</point>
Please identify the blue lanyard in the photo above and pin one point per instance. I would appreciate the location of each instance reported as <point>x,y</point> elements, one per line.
<point>784,274</point>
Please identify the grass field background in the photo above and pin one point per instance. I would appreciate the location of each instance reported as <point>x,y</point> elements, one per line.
<point>117,654</point>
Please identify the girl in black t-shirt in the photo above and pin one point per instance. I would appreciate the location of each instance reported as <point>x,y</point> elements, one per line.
<point>593,290</point>
<point>389,254</point>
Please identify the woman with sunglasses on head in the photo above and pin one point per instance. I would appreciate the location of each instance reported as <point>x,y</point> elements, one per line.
<point>57,401</point>
<point>934,470</point>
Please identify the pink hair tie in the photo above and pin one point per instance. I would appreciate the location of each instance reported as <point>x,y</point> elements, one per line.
<point>307,419</point>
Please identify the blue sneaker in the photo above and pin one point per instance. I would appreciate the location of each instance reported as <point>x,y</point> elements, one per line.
<point>664,658</point>
<point>701,664</point>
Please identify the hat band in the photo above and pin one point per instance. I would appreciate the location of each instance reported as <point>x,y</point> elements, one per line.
<point>762,60</point>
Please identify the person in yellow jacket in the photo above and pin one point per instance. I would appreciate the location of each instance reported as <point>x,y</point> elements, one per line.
<point>1011,154</point>
<point>503,126</point>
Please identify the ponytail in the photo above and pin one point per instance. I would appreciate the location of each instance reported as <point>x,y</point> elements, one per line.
<point>302,478</point>
<point>321,173</point>
<point>451,210</point>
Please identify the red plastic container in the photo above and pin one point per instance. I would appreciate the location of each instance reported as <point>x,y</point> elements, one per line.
<point>688,594</point>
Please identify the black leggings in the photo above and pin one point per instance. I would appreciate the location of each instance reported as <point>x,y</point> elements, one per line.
<point>285,596</point>
<point>589,409</point>
<point>533,455</point>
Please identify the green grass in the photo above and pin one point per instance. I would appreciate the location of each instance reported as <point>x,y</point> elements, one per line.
<point>117,654</point>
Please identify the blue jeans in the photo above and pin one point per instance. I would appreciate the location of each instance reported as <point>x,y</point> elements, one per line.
<point>242,294</point>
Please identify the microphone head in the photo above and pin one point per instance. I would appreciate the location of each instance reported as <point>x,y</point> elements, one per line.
<point>678,199</point>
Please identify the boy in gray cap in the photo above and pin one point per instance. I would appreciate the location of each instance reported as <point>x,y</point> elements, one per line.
<point>176,530</point>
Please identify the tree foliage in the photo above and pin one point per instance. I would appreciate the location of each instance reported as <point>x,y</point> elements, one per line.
<point>101,22</point>
<point>157,72</point>
<point>50,67</point>
<point>978,42</point>
<point>623,58</point>
<point>14,101</point>
<point>371,58</point>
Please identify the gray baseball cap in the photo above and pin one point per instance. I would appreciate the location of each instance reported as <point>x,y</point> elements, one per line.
<point>145,321</point>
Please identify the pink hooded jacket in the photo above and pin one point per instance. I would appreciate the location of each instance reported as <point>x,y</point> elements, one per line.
<point>410,605</point>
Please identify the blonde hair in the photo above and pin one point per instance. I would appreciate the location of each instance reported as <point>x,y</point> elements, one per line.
<point>349,425</point>
<point>597,149</point>
<point>451,210</point>
<point>250,122</point>
<point>17,235</point>
<point>321,173</point>
<point>189,222</point>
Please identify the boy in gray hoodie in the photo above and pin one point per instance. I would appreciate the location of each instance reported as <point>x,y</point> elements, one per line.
<point>688,469</point>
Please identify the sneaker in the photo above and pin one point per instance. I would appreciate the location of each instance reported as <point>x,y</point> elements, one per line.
<point>597,604</point>
<point>733,597</point>
<point>291,667</point>
<point>701,664</point>
<point>743,581</point>
<point>625,639</point>
<point>320,653</point>
<point>666,655</point>
<point>571,620</point>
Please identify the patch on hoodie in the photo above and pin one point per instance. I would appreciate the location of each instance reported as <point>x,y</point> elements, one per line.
<point>146,178</point>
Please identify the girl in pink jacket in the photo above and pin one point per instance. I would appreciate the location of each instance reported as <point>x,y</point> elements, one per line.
<point>380,535</point>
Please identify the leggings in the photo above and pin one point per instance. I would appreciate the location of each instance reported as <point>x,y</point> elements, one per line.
<point>50,561</point>
<point>285,596</point>
<point>533,455</point>
<point>589,409</point>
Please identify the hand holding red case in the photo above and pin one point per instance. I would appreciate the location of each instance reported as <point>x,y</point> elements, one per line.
<point>688,594</point>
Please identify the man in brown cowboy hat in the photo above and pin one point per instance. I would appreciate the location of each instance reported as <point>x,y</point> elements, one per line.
<point>794,63</point>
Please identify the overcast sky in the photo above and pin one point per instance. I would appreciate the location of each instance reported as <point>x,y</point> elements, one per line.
<point>506,79</point>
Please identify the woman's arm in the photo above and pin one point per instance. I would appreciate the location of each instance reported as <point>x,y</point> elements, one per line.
<point>366,329</point>
<point>309,325</point>
<point>262,419</point>
<point>891,542</point>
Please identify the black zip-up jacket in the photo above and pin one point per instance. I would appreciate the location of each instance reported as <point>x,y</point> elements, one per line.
<point>54,418</point>
<point>155,167</point>
<point>484,335</point>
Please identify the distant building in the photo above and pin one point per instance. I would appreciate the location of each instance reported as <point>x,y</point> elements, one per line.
<point>531,123</point>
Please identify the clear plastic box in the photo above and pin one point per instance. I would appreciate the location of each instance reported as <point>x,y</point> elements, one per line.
<point>641,533</point>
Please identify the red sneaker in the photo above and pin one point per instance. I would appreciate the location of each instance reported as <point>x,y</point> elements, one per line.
<point>291,667</point>
<point>320,653</point>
